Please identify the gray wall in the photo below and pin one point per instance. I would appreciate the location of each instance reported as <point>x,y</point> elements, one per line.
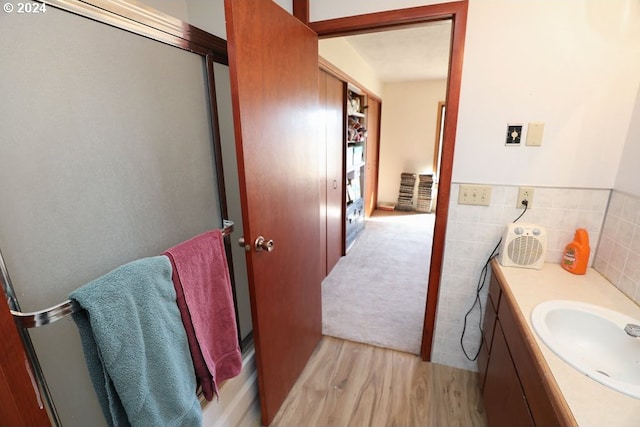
<point>105,158</point>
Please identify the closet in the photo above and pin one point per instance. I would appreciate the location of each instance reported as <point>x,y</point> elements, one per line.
<point>349,143</point>
<point>332,183</point>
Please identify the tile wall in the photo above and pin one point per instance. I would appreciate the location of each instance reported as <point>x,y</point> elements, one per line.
<point>473,232</point>
<point>618,255</point>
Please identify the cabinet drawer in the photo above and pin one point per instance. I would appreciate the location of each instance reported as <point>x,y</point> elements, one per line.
<point>539,402</point>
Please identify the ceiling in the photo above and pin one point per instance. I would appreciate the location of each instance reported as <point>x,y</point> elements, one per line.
<point>419,53</point>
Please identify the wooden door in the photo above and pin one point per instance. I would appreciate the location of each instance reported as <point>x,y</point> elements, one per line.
<point>19,404</point>
<point>322,153</point>
<point>273,62</point>
<point>335,137</point>
<point>372,154</point>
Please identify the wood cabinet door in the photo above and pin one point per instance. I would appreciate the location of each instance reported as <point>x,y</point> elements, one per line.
<point>335,137</point>
<point>504,400</point>
<point>372,154</point>
<point>273,64</point>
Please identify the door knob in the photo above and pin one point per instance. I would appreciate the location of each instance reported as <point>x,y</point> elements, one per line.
<point>243,244</point>
<point>262,244</point>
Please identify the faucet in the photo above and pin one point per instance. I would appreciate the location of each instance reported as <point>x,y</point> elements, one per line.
<point>632,330</point>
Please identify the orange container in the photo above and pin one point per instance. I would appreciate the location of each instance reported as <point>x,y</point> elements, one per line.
<point>576,254</point>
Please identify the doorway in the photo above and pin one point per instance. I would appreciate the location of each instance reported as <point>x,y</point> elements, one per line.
<point>457,12</point>
<point>388,265</point>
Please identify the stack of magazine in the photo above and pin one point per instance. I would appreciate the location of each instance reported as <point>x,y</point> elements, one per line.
<point>405,195</point>
<point>425,184</point>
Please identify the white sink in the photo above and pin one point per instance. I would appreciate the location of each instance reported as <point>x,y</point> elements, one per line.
<point>592,340</point>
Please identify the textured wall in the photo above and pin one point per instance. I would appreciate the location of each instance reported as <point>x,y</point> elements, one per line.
<point>473,232</point>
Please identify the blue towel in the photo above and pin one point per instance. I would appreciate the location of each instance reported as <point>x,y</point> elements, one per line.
<point>136,347</point>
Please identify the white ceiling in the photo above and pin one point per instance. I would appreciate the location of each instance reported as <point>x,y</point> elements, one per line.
<point>419,53</point>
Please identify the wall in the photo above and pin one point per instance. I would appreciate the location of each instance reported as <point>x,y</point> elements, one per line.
<point>472,234</point>
<point>618,256</point>
<point>577,77</point>
<point>207,15</point>
<point>408,132</point>
<point>556,66</point>
<point>575,66</point>
<point>341,54</point>
<point>627,179</point>
<point>320,10</point>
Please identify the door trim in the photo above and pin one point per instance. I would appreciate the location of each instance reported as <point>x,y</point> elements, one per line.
<point>436,146</point>
<point>379,21</point>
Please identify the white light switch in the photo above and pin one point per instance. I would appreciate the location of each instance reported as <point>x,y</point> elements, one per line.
<point>474,195</point>
<point>534,134</point>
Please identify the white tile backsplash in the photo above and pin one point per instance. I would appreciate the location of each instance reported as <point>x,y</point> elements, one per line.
<point>474,231</point>
<point>618,255</point>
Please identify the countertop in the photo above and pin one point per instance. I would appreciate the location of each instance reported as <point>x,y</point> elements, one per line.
<point>591,403</point>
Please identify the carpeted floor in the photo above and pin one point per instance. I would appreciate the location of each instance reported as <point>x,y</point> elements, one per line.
<point>376,294</point>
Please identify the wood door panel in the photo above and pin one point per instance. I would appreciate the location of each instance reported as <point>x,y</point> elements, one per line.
<point>324,174</point>
<point>273,61</point>
<point>335,162</point>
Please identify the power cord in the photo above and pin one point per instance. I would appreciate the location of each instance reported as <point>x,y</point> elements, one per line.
<point>481,282</point>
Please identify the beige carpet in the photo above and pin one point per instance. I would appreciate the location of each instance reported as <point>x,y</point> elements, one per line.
<point>376,294</point>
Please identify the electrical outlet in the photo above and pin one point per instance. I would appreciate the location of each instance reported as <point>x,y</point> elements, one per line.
<point>525,193</point>
<point>474,195</point>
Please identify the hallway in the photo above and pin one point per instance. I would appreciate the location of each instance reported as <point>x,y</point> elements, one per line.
<point>376,294</point>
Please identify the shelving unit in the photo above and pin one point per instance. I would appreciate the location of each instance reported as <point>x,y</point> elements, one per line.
<point>355,146</point>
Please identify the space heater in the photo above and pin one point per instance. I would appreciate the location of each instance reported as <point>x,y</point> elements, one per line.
<point>523,245</point>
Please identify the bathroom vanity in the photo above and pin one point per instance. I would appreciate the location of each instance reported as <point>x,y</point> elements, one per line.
<point>524,382</point>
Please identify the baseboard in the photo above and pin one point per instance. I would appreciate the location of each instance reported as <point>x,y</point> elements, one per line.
<point>238,404</point>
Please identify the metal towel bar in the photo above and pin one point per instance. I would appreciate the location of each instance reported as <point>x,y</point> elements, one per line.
<point>57,312</point>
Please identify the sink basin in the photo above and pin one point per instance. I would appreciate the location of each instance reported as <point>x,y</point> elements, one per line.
<point>592,340</point>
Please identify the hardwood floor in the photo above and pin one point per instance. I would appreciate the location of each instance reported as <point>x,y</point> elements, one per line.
<point>351,384</point>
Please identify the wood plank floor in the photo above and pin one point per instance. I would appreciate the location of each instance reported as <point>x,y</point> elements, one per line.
<point>352,384</point>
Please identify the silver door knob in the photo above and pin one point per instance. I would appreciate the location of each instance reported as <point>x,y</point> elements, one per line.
<point>262,244</point>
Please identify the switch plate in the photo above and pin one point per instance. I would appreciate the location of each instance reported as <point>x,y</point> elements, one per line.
<point>535,130</point>
<point>474,195</point>
<point>514,134</point>
<point>525,193</point>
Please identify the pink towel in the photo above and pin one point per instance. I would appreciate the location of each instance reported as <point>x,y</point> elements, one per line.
<point>203,290</point>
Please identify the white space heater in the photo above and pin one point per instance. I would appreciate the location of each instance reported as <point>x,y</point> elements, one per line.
<point>523,245</point>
